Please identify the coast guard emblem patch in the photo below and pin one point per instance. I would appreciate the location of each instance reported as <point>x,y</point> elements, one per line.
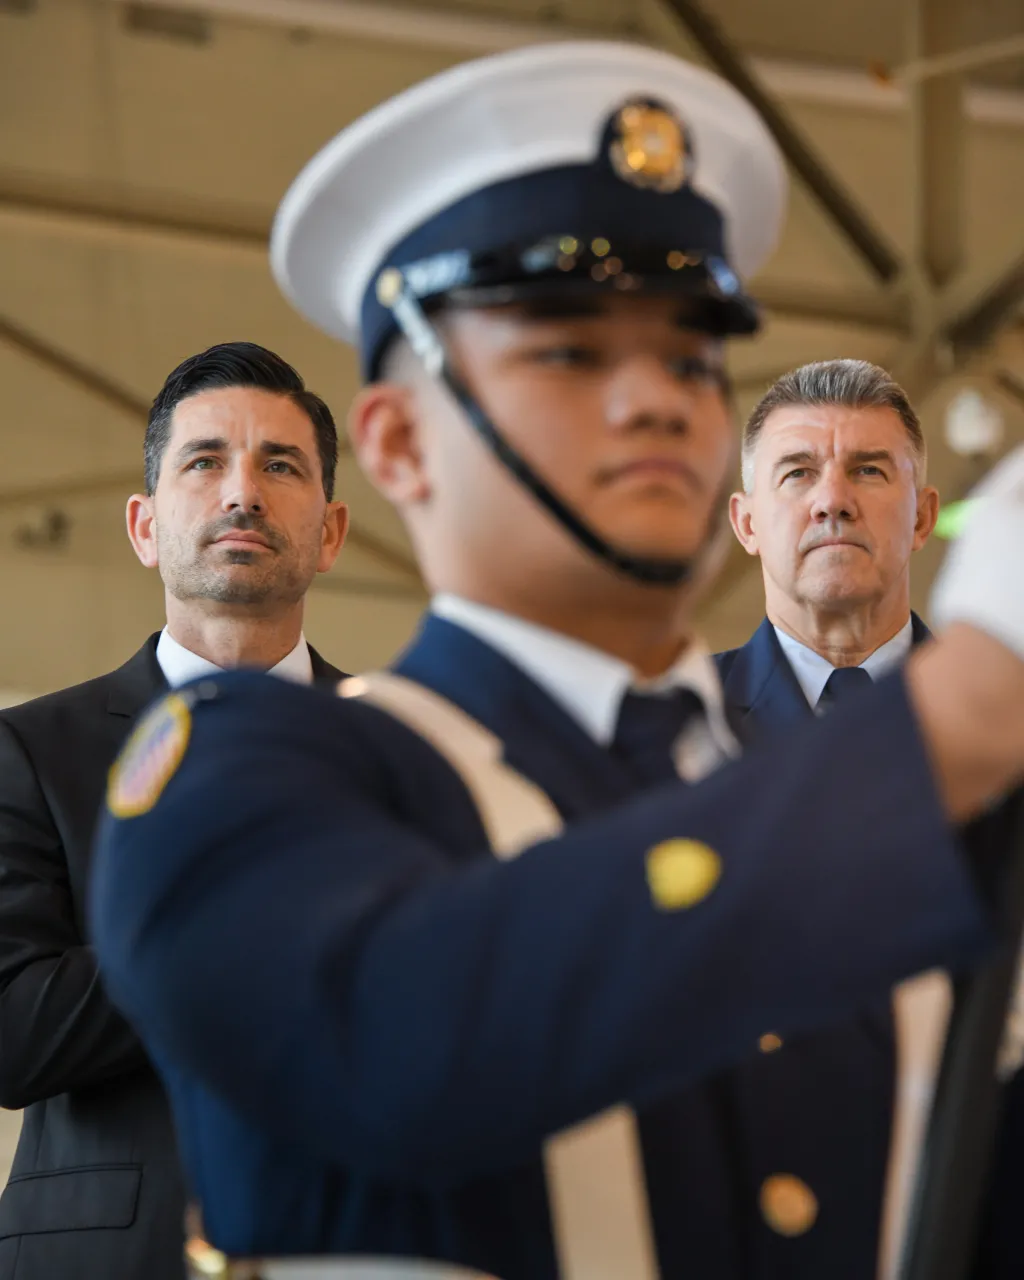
<point>150,758</point>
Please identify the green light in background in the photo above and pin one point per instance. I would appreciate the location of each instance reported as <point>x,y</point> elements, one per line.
<point>953,519</point>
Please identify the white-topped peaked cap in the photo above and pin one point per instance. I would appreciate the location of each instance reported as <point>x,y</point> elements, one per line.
<point>496,119</point>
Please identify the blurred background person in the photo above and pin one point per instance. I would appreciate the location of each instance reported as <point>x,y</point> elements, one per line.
<point>238,517</point>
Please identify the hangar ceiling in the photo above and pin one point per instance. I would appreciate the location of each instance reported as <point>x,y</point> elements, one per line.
<point>144,147</point>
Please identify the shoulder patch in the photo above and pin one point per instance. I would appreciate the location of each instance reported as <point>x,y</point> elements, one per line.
<point>150,758</point>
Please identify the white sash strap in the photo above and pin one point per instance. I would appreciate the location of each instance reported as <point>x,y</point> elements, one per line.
<point>921,1008</point>
<point>599,1208</point>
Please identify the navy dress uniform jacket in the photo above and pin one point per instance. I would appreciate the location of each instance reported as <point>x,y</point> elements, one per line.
<point>368,1025</point>
<point>763,699</point>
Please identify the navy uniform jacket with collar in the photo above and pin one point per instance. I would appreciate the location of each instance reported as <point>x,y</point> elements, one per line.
<point>368,1025</point>
<point>763,698</point>
<point>762,695</point>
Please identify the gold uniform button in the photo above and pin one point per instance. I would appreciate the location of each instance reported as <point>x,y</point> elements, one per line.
<point>681,873</point>
<point>788,1205</point>
<point>206,1261</point>
<point>769,1042</point>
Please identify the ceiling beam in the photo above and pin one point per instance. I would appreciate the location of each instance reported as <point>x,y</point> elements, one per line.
<point>105,211</point>
<point>958,59</point>
<point>461,30</point>
<point>852,220</point>
<point>436,27</point>
<point>81,377</point>
<point>55,492</point>
<point>994,306</point>
<point>1010,385</point>
<point>938,142</point>
<point>112,218</point>
<point>845,308</point>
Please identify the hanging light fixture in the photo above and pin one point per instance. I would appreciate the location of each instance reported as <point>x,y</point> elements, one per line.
<point>973,425</point>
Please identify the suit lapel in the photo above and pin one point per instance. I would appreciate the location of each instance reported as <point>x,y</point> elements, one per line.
<point>323,672</point>
<point>132,687</point>
<point>761,691</point>
<point>542,741</point>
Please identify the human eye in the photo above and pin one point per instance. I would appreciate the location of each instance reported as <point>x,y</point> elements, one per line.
<point>202,464</point>
<point>696,369</point>
<point>693,369</point>
<point>869,469</point>
<point>568,355</point>
<point>279,467</point>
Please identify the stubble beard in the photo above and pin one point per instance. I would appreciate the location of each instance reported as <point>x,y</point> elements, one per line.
<point>233,576</point>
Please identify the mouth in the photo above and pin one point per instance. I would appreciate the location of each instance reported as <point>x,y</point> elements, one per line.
<point>242,539</point>
<point>661,469</point>
<point>835,542</point>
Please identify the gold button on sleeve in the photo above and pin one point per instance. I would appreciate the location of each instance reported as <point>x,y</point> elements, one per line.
<point>769,1042</point>
<point>681,873</point>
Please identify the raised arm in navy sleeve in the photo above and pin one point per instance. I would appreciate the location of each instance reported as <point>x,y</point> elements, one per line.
<point>277,925</point>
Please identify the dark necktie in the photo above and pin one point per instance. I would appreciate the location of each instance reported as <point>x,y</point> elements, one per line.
<point>647,730</point>
<point>844,682</point>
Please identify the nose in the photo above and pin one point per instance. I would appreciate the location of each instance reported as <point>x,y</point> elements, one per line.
<point>833,497</point>
<point>240,490</point>
<point>644,394</point>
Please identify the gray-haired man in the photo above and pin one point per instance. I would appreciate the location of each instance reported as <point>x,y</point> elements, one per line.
<point>835,502</point>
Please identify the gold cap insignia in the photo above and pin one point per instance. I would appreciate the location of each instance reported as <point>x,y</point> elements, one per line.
<point>649,147</point>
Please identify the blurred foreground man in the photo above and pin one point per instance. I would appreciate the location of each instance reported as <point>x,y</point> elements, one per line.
<point>452,967</point>
<point>238,517</point>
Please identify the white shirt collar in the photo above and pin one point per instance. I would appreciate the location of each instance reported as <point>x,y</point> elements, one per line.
<point>586,682</point>
<point>812,670</point>
<point>180,665</point>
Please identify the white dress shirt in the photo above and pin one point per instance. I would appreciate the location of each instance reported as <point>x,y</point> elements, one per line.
<point>180,665</point>
<point>812,670</point>
<point>590,684</point>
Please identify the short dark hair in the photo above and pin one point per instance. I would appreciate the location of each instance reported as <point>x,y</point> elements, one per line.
<point>237,364</point>
<point>854,383</point>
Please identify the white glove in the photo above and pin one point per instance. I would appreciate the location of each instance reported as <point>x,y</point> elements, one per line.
<point>982,577</point>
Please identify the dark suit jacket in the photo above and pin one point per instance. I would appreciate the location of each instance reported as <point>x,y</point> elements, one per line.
<point>95,1192</point>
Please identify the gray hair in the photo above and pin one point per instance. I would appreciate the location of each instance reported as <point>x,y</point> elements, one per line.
<point>853,383</point>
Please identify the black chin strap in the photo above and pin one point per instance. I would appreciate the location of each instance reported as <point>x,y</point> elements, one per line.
<point>427,343</point>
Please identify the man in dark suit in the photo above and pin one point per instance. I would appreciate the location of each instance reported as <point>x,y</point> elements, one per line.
<point>238,516</point>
